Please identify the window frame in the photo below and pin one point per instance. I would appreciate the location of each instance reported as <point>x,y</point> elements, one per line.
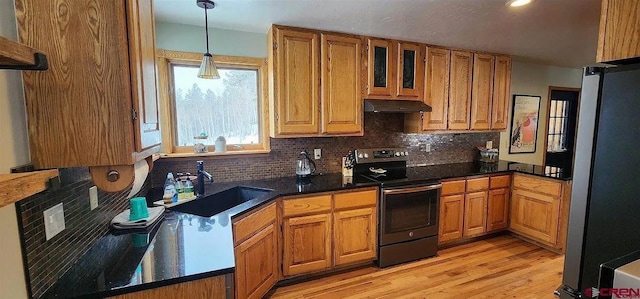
<point>166,94</point>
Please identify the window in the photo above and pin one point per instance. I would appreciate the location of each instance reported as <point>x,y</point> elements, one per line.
<point>558,123</point>
<point>231,106</point>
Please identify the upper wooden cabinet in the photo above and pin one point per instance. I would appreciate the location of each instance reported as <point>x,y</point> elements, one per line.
<point>482,91</point>
<point>619,37</point>
<point>315,83</point>
<point>436,89</point>
<point>501,93</point>
<point>381,75</point>
<point>395,70</point>
<point>341,85</point>
<point>460,90</point>
<point>97,103</point>
<point>295,82</point>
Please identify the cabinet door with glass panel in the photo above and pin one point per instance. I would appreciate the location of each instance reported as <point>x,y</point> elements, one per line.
<point>395,70</point>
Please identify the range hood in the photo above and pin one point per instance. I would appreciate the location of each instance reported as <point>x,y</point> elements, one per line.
<point>395,106</point>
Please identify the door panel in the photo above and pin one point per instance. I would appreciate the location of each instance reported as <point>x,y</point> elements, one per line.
<point>501,93</point>
<point>410,71</point>
<point>341,90</point>
<point>498,209</point>
<point>307,244</point>
<point>482,91</point>
<point>257,264</point>
<point>355,235</point>
<point>460,90</point>
<point>475,213</point>
<point>451,217</point>
<point>535,215</point>
<point>381,79</point>
<point>437,89</point>
<point>298,82</point>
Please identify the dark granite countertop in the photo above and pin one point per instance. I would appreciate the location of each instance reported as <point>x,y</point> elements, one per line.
<point>184,247</point>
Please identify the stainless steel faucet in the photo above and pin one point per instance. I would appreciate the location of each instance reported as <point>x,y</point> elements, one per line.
<point>201,175</point>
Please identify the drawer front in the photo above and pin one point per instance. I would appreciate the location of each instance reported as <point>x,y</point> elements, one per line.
<point>478,184</point>
<point>538,185</point>
<point>503,181</point>
<point>247,226</point>
<point>452,187</point>
<point>355,199</point>
<point>306,205</point>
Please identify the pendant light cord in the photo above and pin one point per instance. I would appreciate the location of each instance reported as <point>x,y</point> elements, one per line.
<point>206,28</point>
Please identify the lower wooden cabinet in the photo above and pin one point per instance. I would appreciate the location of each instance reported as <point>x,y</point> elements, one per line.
<point>206,288</point>
<point>451,217</point>
<point>498,209</point>
<point>540,210</point>
<point>326,230</point>
<point>475,213</point>
<point>354,233</point>
<point>256,253</point>
<point>307,244</point>
<point>257,263</point>
<point>535,215</point>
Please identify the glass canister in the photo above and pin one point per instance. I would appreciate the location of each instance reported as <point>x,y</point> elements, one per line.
<point>200,143</point>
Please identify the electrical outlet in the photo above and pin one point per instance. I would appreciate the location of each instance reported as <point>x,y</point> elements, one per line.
<point>317,154</point>
<point>427,147</point>
<point>489,144</point>
<point>93,197</point>
<point>53,220</point>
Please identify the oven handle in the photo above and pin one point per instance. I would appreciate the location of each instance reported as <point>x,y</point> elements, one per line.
<point>411,189</point>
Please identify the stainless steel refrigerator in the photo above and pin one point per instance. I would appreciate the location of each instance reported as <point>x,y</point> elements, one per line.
<point>604,217</point>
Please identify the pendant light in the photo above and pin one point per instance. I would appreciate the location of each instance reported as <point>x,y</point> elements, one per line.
<point>208,68</point>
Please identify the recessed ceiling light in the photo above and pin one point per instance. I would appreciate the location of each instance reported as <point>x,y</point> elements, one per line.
<point>515,3</point>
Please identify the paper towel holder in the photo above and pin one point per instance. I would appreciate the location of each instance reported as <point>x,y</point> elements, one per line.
<point>115,178</point>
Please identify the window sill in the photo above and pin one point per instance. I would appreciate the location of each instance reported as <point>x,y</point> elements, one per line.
<point>227,154</point>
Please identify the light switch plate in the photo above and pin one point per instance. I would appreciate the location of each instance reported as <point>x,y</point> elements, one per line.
<point>53,221</point>
<point>489,144</point>
<point>317,154</point>
<point>427,147</point>
<point>93,197</point>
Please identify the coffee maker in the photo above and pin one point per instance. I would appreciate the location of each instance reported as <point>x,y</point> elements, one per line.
<point>305,167</point>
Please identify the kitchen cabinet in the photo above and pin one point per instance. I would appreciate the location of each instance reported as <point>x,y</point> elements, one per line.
<point>436,89</point>
<point>315,83</point>
<point>209,288</point>
<point>498,209</point>
<point>451,217</point>
<point>451,211</point>
<point>96,105</point>
<point>460,90</point>
<point>327,230</point>
<point>306,232</point>
<point>475,213</point>
<point>482,91</point>
<point>619,26</point>
<point>395,70</point>
<point>294,67</point>
<point>539,209</point>
<point>501,93</point>
<point>355,227</point>
<point>381,74</point>
<point>341,85</point>
<point>473,207</point>
<point>256,253</point>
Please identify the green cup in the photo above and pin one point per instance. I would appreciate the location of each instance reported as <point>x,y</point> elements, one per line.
<point>138,208</point>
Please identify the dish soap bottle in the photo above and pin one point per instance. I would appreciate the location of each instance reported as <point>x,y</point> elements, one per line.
<point>170,194</point>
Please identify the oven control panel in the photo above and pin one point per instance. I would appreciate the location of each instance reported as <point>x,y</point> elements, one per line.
<point>381,155</point>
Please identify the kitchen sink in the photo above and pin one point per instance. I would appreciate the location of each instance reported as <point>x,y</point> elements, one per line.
<point>218,202</point>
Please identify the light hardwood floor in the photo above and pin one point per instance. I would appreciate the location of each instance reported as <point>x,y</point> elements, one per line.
<point>501,267</point>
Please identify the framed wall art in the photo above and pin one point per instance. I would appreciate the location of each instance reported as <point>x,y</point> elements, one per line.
<point>524,124</point>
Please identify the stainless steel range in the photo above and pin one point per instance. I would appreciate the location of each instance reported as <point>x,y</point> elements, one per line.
<point>409,206</point>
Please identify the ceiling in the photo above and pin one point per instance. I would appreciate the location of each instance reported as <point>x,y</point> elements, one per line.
<point>554,32</point>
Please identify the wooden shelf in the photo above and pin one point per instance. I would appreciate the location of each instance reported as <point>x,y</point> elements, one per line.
<point>16,186</point>
<point>14,55</point>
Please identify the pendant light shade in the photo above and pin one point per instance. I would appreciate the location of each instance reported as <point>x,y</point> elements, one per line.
<point>208,68</point>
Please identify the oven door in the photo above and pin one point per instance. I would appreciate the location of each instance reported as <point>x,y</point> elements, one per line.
<point>409,213</point>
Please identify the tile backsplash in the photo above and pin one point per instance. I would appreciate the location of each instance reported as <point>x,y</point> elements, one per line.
<point>46,261</point>
<point>381,130</point>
